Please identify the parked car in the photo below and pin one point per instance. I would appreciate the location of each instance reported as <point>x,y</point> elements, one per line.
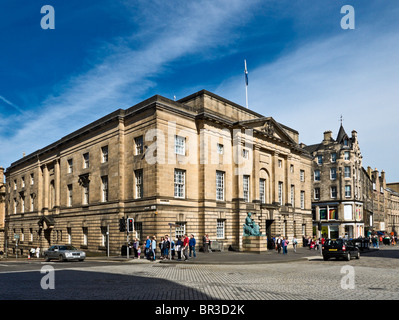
<point>340,248</point>
<point>64,253</point>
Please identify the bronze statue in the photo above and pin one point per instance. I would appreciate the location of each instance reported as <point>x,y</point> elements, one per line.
<point>250,227</point>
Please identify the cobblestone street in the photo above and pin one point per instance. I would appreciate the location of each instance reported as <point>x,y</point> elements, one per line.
<point>375,277</point>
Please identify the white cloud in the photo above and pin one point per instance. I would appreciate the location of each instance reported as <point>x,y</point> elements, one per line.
<point>354,74</point>
<point>165,33</point>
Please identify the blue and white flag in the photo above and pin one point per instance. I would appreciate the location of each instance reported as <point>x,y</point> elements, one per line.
<point>246,73</point>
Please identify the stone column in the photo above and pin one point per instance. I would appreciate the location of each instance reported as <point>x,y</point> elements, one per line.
<point>45,189</point>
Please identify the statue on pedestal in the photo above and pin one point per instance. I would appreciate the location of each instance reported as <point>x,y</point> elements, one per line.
<point>250,227</point>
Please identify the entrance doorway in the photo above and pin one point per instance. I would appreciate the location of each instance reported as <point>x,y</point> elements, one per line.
<point>270,244</point>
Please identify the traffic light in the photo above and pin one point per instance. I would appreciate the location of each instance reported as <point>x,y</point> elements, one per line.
<point>122,225</point>
<point>130,222</point>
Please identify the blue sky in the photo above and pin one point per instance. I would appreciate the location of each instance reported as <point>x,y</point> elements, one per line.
<point>304,69</point>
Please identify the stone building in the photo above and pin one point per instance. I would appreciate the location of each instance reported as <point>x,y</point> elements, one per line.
<point>2,207</point>
<point>197,165</point>
<point>340,205</point>
<point>386,202</point>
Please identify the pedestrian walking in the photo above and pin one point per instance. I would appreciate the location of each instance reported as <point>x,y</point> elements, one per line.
<point>205,242</point>
<point>185,247</point>
<point>166,247</point>
<point>285,243</point>
<point>179,245</point>
<point>279,244</point>
<point>148,247</point>
<point>172,248</point>
<point>294,243</point>
<point>191,244</point>
<point>37,252</point>
<point>161,248</point>
<point>153,246</point>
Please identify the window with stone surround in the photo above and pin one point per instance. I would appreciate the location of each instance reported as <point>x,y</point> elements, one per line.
<point>86,160</point>
<point>139,183</point>
<point>180,181</point>
<point>104,154</point>
<point>246,188</point>
<point>139,146</point>
<point>104,188</point>
<point>220,226</point>
<point>220,185</point>
<point>180,145</point>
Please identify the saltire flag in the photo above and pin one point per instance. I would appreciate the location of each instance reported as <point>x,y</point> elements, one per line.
<point>246,73</point>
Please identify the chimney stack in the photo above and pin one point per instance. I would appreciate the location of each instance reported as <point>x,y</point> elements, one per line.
<point>327,136</point>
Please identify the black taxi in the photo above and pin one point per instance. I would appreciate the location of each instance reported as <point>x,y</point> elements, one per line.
<point>340,248</point>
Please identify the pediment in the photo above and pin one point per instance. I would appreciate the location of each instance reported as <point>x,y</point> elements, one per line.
<point>269,127</point>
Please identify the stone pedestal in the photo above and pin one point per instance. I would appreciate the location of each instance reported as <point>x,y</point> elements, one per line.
<point>254,244</point>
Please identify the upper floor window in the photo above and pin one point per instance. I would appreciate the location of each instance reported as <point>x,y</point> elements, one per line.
<point>70,165</point>
<point>302,175</point>
<point>333,157</point>
<point>180,181</point>
<point>320,159</point>
<point>219,148</point>
<point>138,141</point>
<point>246,188</point>
<point>32,179</point>
<point>333,173</point>
<point>104,154</point>
<point>180,145</point>
<point>347,172</point>
<point>86,160</point>
<point>346,155</point>
<point>317,175</point>
<point>220,185</point>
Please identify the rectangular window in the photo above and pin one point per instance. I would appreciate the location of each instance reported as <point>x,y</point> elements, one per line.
<point>104,188</point>
<point>319,159</point>
<point>220,229</point>
<point>180,229</point>
<point>32,202</point>
<point>180,145</point>
<point>139,183</point>
<point>323,213</point>
<point>302,199</point>
<point>85,232</point>
<point>333,192</point>
<point>262,188</point>
<point>333,213</point>
<point>32,179</point>
<point>220,148</point>
<point>15,205</point>
<point>317,175</point>
<point>293,195</point>
<point>86,195</point>
<point>280,163</point>
<point>104,154</point>
<point>246,188</point>
<point>139,145</point>
<point>317,193</point>
<point>69,235</point>
<point>69,195</point>
<point>333,173</point>
<point>70,165</point>
<point>220,185</point>
<point>346,155</point>
<point>180,179</point>
<point>302,175</point>
<point>348,191</point>
<point>22,204</point>
<point>23,182</point>
<point>245,153</point>
<point>333,157</point>
<point>15,184</point>
<point>86,160</point>
<point>280,193</point>
<point>347,172</point>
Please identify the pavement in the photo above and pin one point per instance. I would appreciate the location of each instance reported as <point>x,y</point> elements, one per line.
<point>218,257</point>
<point>237,257</point>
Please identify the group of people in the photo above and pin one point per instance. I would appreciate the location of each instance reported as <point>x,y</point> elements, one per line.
<point>376,240</point>
<point>184,246</point>
<point>282,243</point>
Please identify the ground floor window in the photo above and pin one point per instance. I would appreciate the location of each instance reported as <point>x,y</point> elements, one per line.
<point>180,229</point>
<point>220,226</point>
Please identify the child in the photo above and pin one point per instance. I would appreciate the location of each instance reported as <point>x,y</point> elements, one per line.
<point>138,252</point>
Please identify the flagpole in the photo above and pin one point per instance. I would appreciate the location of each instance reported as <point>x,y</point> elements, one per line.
<point>246,84</point>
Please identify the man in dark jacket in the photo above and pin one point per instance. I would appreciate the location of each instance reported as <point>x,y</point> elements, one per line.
<point>191,244</point>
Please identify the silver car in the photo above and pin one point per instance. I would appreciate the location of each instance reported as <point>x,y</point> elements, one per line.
<point>64,253</point>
